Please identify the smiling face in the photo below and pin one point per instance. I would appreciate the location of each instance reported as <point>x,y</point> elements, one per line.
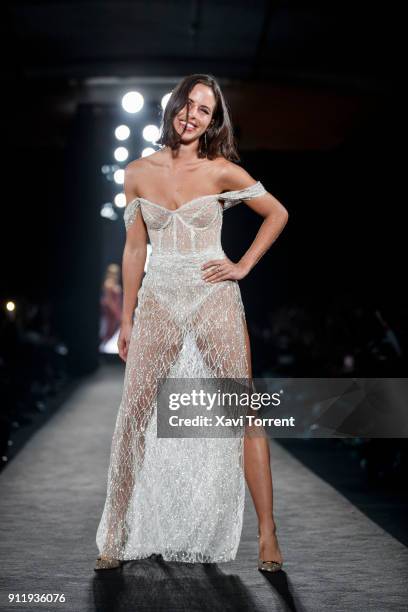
<point>201,104</point>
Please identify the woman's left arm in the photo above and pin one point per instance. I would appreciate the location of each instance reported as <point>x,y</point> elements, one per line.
<point>275,218</point>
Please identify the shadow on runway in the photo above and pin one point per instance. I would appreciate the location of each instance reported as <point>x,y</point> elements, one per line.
<point>154,584</point>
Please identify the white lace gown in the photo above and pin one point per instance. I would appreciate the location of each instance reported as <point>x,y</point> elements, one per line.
<point>182,498</point>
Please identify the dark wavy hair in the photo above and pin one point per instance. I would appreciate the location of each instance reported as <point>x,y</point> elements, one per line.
<point>219,134</point>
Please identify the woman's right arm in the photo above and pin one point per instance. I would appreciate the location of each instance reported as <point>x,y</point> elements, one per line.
<point>133,264</point>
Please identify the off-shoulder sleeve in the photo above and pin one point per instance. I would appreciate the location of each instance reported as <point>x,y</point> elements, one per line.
<point>231,198</point>
<point>130,212</point>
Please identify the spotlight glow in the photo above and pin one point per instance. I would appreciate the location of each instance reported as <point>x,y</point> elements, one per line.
<point>122,132</point>
<point>10,306</point>
<point>151,133</point>
<point>119,177</point>
<point>121,153</point>
<point>132,102</point>
<point>165,99</point>
<point>120,200</point>
<point>107,212</point>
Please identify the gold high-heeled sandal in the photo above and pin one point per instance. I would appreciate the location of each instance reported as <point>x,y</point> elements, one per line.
<point>269,566</point>
<point>102,564</point>
<point>110,562</point>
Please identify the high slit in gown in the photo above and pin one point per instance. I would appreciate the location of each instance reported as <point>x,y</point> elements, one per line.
<point>182,498</point>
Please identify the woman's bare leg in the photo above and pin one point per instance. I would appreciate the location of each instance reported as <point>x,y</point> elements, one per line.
<point>259,480</point>
<point>156,342</point>
<point>212,338</point>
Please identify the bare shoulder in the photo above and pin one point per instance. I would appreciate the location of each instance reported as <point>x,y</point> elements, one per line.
<point>234,177</point>
<point>133,173</point>
<point>140,170</point>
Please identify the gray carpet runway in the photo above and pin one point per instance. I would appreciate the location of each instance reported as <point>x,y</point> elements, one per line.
<point>51,499</point>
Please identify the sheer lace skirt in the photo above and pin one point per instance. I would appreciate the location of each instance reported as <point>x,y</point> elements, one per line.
<point>182,498</point>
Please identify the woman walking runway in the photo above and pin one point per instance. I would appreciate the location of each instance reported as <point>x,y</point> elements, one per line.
<point>183,498</point>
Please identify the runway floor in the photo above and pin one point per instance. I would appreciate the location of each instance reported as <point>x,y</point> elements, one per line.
<point>52,495</point>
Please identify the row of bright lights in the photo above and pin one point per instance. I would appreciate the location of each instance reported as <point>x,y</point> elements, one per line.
<point>150,133</point>
<point>132,102</point>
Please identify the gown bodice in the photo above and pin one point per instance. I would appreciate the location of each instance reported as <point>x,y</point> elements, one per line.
<point>191,229</point>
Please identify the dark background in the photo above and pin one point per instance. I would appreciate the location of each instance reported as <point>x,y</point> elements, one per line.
<point>315,91</point>
<point>317,112</point>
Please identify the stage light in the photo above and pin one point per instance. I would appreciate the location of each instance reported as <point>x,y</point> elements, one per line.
<point>121,153</point>
<point>132,102</point>
<point>10,306</point>
<point>119,177</point>
<point>122,132</point>
<point>147,151</point>
<point>165,99</point>
<point>120,200</point>
<point>108,212</point>
<point>151,133</point>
